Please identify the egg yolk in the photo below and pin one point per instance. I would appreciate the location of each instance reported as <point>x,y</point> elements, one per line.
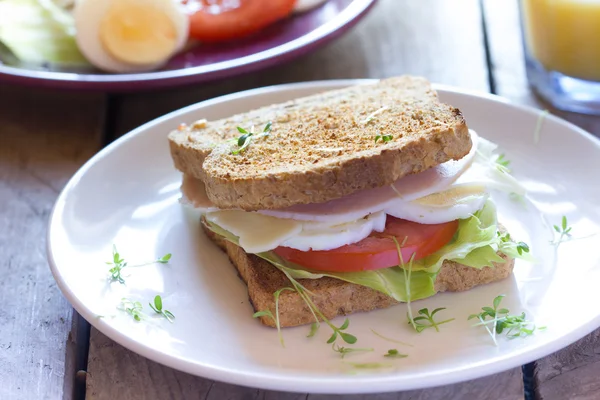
<point>136,32</point>
<point>453,196</point>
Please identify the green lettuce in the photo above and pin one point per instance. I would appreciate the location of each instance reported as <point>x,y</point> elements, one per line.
<point>390,281</point>
<point>475,244</point>
<point>38,31</point>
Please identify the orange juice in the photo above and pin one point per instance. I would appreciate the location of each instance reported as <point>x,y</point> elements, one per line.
<point>564,35</point>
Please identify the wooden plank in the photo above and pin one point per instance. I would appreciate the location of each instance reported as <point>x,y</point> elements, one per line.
<point>117,373</point>
<point>571,373</point>
<point>40,148</point>
<point>399,36</point>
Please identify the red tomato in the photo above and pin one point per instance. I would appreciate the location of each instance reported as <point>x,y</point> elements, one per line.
<point>379,249</point>
<point>220,20</point>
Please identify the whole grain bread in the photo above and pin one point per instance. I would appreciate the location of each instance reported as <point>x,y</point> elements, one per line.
<point>324,146</point>
<point>334,297</point>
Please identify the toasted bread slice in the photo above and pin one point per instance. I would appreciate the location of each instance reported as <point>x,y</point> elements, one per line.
<point>324,146</point>
<point>334,297</point>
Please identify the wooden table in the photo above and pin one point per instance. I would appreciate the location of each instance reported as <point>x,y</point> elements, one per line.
<point>48,352</point>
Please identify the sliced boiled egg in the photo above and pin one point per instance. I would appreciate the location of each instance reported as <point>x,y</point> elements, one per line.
<point>458,202</point>
<point>130,35</point>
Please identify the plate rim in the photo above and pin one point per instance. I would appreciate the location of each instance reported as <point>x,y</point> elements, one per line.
<point>326,32</point>
<point>375,383</point>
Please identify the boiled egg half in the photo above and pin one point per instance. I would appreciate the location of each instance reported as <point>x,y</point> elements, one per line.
<point>130,35</point>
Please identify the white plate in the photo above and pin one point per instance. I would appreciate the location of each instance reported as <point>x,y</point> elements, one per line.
<point>127,195</point>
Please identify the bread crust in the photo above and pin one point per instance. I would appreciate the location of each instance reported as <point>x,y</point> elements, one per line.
<point>321,147</point>
<point>334,297</point>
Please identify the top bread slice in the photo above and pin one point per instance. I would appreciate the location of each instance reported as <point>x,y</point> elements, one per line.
<point>324,146</point>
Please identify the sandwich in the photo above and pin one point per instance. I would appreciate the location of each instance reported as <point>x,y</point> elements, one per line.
<point>349,200</point>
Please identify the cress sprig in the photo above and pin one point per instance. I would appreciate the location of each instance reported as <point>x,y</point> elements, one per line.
<point>383,138</point>
<point>522,247</point>
<point>133,308</point>
<point>118,264</point>
<point>564,230</point>
<point>347,350</point>
<point>502,322</point>
<point>426,320</point>
<point>275,318</point>
<point>158,308</point>
<point>247,136</point>
<point>393,353</point>
<point>502,164</point>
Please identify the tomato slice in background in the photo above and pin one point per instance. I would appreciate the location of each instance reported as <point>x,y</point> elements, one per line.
<point>378,250</point>
<point>220,20</point>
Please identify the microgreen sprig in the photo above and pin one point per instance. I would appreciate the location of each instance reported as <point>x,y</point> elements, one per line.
<point>275,318</point>
<point>564,230</point>
<point>492,312</point>
<point>347,350</point>
<point>158,308</point>
<point>393,353</point>
<point>247,136</point>
<point>368,365</point>
<point>314,327</point>
<point>390,339</point>
<point>407,277</point>
<point>522,247</point>
<point>118,264</point>
<point>502,164</point>
<point>346,337</point>
<point>512,326</point>
<point>303,292</point>
<point>383,138</point>
<point>426,320</point>
<point>133,308</point>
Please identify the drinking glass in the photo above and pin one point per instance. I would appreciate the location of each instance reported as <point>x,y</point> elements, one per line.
<point>561,39</point>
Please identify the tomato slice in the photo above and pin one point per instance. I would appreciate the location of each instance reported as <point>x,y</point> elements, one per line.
<point>220,20</point>
<point>379,249</point>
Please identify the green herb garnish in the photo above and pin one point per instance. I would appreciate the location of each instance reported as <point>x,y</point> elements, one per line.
<point>538,126</point>
<point>370,365</point>
<point>268,313</point>
<point>390,339</point>
<point>502,164</point>
<point>522,247</point>
<point>346,337</point>
<point>314,327</point>
<point>133,308</point>
<point>158,308</point>
<point>118,264</point>
<point>407,275</point>
<point>426,320</point>
<point>564,230</point>
<point>347,350</point>
<point>512,325</point>
<point>393,353</point>
<point>247,136</point>
<point>383,138</point>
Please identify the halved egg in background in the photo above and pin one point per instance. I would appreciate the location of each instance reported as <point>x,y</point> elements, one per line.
<point>130,35</point>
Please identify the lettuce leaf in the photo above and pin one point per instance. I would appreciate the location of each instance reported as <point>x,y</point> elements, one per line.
<point>475,244</point>
<point>390,281</point>
<point>38,32</point>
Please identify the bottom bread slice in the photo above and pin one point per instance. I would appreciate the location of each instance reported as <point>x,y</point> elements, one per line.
<point>334,297</point>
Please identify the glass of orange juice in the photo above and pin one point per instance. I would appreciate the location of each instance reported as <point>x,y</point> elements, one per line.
<point>562,51</point>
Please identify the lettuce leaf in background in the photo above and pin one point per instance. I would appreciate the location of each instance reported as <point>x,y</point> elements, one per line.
<point>38,32</point>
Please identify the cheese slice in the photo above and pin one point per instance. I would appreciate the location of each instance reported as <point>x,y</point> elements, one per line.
<point>256,232</point>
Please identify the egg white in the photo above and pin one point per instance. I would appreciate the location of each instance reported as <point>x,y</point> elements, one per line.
<point>88,16</point>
